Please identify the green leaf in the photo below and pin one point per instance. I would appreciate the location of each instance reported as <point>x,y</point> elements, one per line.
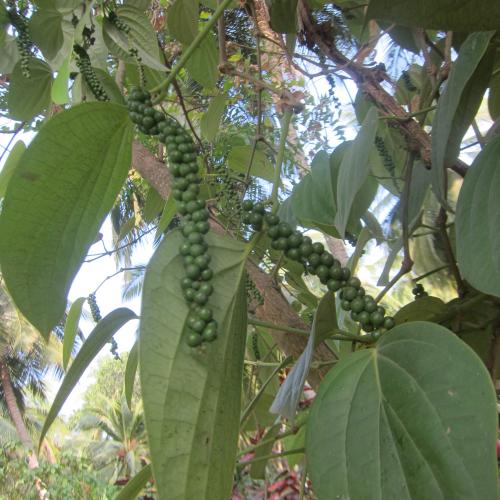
<point>290,392</point>
<point>28,97</point>
<point>182,20</point>
<point>458,105</point>
<point>10,165</point>
<point>100,335</point>
<point>141,37</point>
<point>70,329</point>
<point>192,396</point>
<point>258,469</point>
<point>153,205</point>
<point>59,91</point>
<point>63,188</point>
<point>364,237</point>
<point>313,198</point>
<point>283,15</point>
<point>414,418</point>
<point>10,55</point>
<point>45,27</point>
<point>210,121</point>
<point>494,95</point>
<point>478,221</point>
<point>203,64</point>
<point>133,488</point>
<point>354,169</point>
<point>169,211</point>
<point>239,159</point>
<point>453,15</point>
<point>130,371</point>
<point>421,309</point>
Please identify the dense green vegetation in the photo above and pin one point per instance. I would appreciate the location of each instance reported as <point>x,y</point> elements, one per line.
<point>320,317</point>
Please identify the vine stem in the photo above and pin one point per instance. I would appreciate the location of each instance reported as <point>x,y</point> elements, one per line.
<point>272,456</point>
<point>285,125</point>
<point>284,328</point>
<point>278,437</point>
<point>192,47</point>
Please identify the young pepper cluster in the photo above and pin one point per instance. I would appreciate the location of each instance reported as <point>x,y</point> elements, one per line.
<point>181,152</point>
<point>321,263</point>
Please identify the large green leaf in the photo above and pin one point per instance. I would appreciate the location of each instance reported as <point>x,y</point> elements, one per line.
<point>100,335</point>
<point>478,221</point>
<point>10,164</point>
<point>313,198</point>
<point>59,90</point>
<point>134,487</point>
<point>203,63</point>
<point>414,418</point>
<point>494,94</point>
<point>182,20</point>
<point>28,97</point>
<point>70,329</point>
<point>141,37</point>
<point>239,160</point>
<point>10,54</point>
<point>421,309</point>
<point>457,106</point>
<point>130,372</point>
<point>354,169</point>
<point>61,191</point>
<point>210,121</point>
<point>455,15</point>
<point>283,15</point>
<point>192,396</point>
<point>45,27</point>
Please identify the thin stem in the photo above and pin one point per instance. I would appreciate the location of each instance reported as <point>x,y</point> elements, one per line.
<point>190,50</point>
<point>271,326</point>
<point>425,275</point>
<point>264,442</point>
<point>285,125</point>
<point>121,270</point>
<point>272,456</point>
<point>248,410</point>
<point>448,249</point>
<point>409,116</point>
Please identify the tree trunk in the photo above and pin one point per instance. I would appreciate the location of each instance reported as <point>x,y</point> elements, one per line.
<point>15,414</point>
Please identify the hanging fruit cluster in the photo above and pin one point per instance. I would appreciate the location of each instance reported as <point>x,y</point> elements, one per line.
<point>319,262</point>
<point>88,74</point>
<point>23,40</point>
<point>419,291</point>
<point>182,159</point>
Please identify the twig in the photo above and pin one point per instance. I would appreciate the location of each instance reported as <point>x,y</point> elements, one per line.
<point>221,33</point>
<point>11,140</point>
<point>192,47</point>
<point>110,252</point>
<point>121,270</point>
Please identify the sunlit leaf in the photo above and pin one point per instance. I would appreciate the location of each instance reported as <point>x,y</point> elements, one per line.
<point>62,189</point>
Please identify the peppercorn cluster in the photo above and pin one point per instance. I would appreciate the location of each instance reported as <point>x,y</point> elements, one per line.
<point>182,158</point>
<point>119,23</point>
<point>419,291</point>
<point>84,65</point>
<point>23,40</point>
<point>94,308</point>
<point>321,263</point>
